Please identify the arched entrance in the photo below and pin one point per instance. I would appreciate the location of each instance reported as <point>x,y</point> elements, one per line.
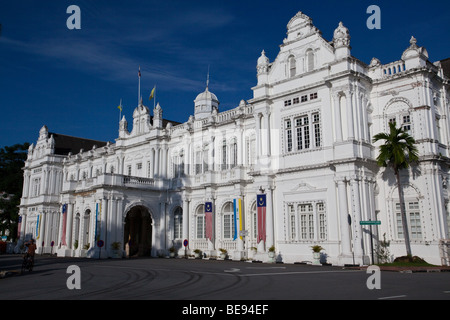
<point>138,232</point>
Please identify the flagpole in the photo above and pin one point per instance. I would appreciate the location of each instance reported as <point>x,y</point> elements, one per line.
<point>139,87</point>
<point>120,110</point>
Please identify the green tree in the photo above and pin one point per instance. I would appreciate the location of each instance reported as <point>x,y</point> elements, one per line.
<point>398,152</point>
<point>12,159</point>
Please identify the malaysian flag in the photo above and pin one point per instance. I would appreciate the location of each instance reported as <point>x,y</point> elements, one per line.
<point>261,212</point>
<point>208,220</point>
<point>64,214</point>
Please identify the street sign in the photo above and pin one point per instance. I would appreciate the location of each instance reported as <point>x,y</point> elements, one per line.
<point>370,223</point>
<point>185,242</point>
<point>100,243</point>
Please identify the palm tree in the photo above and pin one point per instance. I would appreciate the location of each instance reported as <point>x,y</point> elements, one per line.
<point>398,152</point>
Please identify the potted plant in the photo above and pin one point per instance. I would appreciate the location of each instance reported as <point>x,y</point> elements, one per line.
<point>316,253</point>
<point>115,246</point>
<point>172,252</point>
<point>223,253</point>
<point>272,252</point>
<point>75,245</point>
<point>197,253</point>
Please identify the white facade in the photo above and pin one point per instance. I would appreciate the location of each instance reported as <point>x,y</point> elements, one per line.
<point>304,140</point>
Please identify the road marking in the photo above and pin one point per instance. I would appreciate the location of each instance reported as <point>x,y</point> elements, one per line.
<point>232,270</point>
<point>266,268</point>
<point>274,273</point>
<point>392,297</point>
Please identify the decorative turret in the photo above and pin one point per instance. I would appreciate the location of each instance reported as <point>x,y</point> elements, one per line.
<point>205,103</point>
<point>157,116</point>
<point>414,56</point>
<point>341,41</point>
<point>123,128</point>
<point>141,119</point>
<point>262,68</point>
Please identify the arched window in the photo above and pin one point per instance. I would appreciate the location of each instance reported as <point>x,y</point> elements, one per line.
<point>227,220</point>
<point>200,222</point>
<point>309,60</point>
<point>178,223</point>
<point>292,67</point>
<point>234,154</point>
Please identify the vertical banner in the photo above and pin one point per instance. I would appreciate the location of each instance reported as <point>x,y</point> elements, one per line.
<point>64,214</point>
<point>37,227</point>
<point>208,220</point>
<point>19,227</point>
<point>261,212</point>
<point>237,205</point>
<point>96,222</point>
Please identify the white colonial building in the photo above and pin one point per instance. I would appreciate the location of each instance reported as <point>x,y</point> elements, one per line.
<point>304,141</point>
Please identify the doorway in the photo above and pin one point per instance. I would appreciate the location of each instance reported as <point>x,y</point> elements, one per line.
<point>138,232</point>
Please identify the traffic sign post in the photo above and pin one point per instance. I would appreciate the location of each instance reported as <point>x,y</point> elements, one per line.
<point>185,244</point>
<point>370,223</point>
<point>100,244</point>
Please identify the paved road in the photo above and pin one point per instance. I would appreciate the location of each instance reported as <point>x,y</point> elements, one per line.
<point>180,279</point>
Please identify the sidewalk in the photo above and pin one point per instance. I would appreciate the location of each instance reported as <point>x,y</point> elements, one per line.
<point>411,269</point>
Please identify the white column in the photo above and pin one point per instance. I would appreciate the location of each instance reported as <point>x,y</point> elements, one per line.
<point>119,222</point>
<point>267,133</point>
<point>69,225</point>
<point>269,219</point>
<point>258,135</point>
<point>357,238</point>
<point>185,218</point>
<point>337,115</point>
<point>343,217</point>
<point>350,122</point>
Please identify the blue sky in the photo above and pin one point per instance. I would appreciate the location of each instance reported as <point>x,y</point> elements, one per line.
<point>73,80</point>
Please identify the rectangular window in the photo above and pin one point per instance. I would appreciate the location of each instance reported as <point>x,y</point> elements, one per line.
<point>412,220</point>
<point>296,100</point>
<point>302,130</point>
<point>200,227</point>
<point>129,170</point>
<point>313,96</point>
<point>287,103</point>
<point>198,162</point>
<point>289,135</point>
<point>291,211</point>
<point>316,123</point>
<point>228,226</point>
<point>407,124</point>
<point>224,156</point>
<point>178,224</point>
<point>36,187</point>
<point>306,221</point>
<point>304,98</point>
<point>322,221</point>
